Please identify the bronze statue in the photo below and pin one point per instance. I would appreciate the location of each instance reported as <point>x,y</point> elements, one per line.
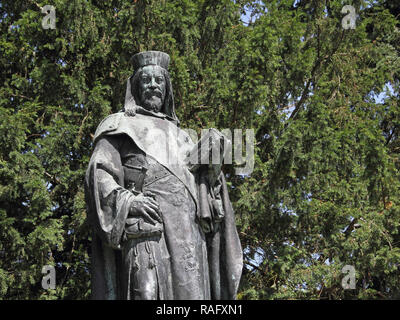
<point>161,230</point>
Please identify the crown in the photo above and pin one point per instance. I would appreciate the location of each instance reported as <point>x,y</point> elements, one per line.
<point>158,58</point>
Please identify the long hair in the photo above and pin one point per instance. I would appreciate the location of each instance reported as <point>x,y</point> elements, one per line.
<point>132,95</point>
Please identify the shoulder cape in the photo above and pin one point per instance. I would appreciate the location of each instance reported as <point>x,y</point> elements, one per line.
<point>159,138</point>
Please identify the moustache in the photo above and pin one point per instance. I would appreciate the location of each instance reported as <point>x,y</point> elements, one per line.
<point>152,93</point>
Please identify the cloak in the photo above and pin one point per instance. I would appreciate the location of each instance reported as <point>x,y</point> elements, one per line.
<point>168,145</point>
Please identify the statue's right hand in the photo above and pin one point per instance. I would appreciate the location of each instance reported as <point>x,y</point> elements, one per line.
<point>146,207</point>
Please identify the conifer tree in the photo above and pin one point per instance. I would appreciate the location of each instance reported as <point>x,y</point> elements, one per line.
<point>322,100</point>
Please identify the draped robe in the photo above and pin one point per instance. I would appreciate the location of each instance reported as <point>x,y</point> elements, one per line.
<point>185,260</point>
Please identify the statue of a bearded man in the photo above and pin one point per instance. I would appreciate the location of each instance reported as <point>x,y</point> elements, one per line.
<point>160,231</point>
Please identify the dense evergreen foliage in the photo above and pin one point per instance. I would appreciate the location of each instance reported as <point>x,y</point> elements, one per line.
<point>323,102</point>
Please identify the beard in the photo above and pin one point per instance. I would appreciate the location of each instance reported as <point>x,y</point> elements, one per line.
<point>153,104</point>
<point>152,100</point>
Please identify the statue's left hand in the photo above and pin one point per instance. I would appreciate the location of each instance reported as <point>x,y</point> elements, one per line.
<point>130,108</point>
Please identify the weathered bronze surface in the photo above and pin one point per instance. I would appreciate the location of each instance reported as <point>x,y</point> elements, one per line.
<point>160,230</point>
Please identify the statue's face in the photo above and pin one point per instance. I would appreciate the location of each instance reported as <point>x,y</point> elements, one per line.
<point>152,88</point>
